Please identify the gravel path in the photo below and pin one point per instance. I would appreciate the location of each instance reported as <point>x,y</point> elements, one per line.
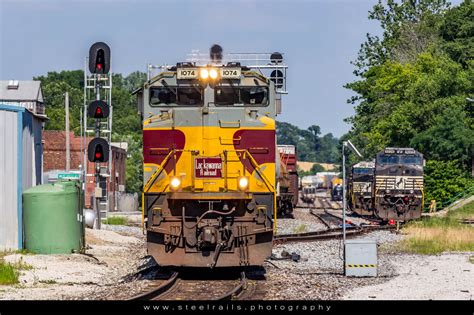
<point>100,274</point>
<point>303,222</point>
<point>320,272</point>
<point>440,277</point>
<point>134,231</point>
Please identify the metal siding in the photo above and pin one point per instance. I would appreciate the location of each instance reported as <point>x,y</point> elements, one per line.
<point>28,162</point>
<point>9,206</point>
<point>38,147</point>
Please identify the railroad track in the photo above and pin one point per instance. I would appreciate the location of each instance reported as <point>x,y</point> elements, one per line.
<point>321,203</point>
<point>179,287</point>
<point>328,234</point>
<point>328,219</point>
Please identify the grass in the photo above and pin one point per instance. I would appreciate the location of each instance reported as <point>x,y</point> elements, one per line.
<point>300,229</point>
<point>116,221</point>
<point>440,234</point>
<point>8,273</point>
<point>465,212</point>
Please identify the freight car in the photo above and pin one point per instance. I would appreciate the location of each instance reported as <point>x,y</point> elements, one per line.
<point>209,151</point>
<point>360,183</point>
<point>336,189</point>
<point>398,192</point>
<point>287,180</point>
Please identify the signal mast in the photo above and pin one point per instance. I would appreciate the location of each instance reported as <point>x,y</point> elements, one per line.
<point>98,107</point>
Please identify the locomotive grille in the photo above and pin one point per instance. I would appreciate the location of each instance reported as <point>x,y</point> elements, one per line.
<point>399,182</point>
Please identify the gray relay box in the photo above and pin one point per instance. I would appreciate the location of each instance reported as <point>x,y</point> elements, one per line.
<point>361,258</point>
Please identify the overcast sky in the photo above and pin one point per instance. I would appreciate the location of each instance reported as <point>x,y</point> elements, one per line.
<point>319,39</point>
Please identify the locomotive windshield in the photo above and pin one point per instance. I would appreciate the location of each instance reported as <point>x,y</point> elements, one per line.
<point>417,160</point>
<point>230,95</point>
<point>400,159</point>
<point>172,95</point>
<point>388,159</point>
<point>363,171</point>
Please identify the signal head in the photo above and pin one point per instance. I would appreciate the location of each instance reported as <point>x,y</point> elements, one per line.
<point>99,58</point>
<point>98,150</point>
<point>98,109</point>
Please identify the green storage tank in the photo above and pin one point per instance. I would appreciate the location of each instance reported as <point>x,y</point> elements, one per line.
<point>52,218</point>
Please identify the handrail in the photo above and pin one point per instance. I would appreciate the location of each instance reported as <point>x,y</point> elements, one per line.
<point>265,180</point>
<point>466,193</point>
<point>154,176</point>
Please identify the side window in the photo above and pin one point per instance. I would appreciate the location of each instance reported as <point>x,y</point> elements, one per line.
<point>256,95</point>
<point>162,96</point>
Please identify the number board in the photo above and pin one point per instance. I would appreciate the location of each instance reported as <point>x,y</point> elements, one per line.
<point>406,151</point>
<point>231,73</point>
<point>208,167</point>
<point>187,73</point>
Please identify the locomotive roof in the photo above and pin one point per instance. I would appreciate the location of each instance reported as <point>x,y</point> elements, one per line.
<point>406,151</point>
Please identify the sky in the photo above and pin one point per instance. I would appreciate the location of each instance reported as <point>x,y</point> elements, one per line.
<point>319,38</point>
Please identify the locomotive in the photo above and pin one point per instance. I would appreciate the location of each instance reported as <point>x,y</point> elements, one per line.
<point>209,159</point>
<point>360,183</point>
<point>287,184</point>
<point>398,180</point>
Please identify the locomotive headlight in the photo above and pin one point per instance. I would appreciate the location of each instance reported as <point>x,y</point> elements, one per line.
<point>204,74</point>
<point>213,74</point>
<point>243,182</point>
<point>175,183</point>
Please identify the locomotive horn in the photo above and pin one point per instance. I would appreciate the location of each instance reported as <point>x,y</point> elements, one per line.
<point>216,53</point>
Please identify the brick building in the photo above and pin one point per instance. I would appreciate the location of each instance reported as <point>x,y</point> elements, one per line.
<point>55,159</point>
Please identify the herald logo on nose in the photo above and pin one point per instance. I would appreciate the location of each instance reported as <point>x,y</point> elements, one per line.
<point>209,167</point>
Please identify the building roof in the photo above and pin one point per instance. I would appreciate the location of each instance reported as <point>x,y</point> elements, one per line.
<point>26,91</point>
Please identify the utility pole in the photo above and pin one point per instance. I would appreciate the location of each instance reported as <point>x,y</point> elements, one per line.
<point>68,144</point>
<point>348,144</point>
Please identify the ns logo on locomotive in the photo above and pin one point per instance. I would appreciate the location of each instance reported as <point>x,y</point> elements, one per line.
<point>209,150</point>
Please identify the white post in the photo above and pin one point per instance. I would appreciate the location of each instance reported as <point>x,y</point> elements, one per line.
<point>344,199</point>
<point>68,145</point>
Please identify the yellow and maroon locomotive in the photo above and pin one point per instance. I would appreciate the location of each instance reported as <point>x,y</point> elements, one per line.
<point>209,149</point>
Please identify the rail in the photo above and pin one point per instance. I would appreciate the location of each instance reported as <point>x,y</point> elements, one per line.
<point>177,286</point>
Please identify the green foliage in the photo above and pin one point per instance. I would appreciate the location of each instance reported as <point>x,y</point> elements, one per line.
<point>444,180</point>
<point>126,121</point>
<point>310,145</point>
<point>8,274</point>
<point>116,221</point>
<point>457,31</point>
<point>449,137</point>
<point>314,169</point>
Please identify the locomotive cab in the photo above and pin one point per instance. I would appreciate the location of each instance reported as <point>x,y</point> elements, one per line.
<point>399,184</point>
<point>209,165</point>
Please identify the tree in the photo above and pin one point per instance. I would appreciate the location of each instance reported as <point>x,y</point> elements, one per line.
<point>448,138</point>
<point>126,121</point>
<point>457,31</point>
<point>409,27</point>
<point>412,87</point>
<point>310,146</point>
